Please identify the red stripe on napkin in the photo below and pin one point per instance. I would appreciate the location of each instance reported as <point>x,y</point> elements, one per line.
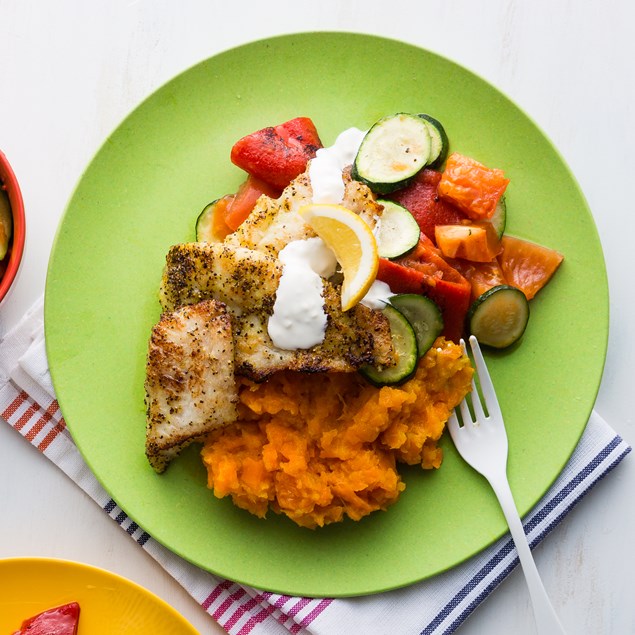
<point>255,620</point>
<point>52,435</point>
<point>223,586</point>
<point>47,415</point>
<point>12,408</point>
<point>239,612</point>
<point>236,595</point>
<point>297,607</point>
<point>316,611</point>
<point>26,420</point>
<point>27,415</point>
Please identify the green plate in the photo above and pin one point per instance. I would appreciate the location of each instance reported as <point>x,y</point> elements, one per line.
<point>142,193</point>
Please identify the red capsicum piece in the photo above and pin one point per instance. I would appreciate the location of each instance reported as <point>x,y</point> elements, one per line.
<point>453,298</point>
<point>422,200</point>
<point>242,203</point>
<point>425,271</point>
<point>278,154</point>
<point>401,278</point>
<point>62,620</point>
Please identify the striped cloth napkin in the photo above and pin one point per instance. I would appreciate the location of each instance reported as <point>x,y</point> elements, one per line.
<point>435,606</point>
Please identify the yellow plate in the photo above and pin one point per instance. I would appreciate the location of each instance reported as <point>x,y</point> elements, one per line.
<point>109,604</point>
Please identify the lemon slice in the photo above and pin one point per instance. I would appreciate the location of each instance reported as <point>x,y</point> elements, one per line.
<point>353,244</point>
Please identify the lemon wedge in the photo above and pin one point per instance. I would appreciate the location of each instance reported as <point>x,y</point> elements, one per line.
<point>353,244</point>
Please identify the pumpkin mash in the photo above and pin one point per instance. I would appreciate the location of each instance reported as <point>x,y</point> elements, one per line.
<point>323,446</point>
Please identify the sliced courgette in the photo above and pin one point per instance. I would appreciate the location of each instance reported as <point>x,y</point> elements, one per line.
<point>404,342</point>
<point>6,223</point>
<point>424,317</point>
<point>392,153</point>
<point>499,316</point>
<point>206,225</point>
<point>398,230</point>
<point>499,218</point>
<point>439,143</point>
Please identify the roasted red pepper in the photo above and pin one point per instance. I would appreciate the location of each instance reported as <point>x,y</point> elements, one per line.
<point>425,271</point>
<point>278,154</point>
<point>62,620</point>
<point>422,200</point>
<point>244,200</point>
<point>401,278</point>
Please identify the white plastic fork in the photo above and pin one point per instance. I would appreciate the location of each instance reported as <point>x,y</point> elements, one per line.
<point>482,442</point>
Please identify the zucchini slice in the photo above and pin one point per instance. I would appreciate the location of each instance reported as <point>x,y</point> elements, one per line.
<point>404,342</point>
<point>424,317</point>
<point>392,153</point>
<point>398,230</point>
<point>439,143</point>
<point>206,226</point>
<point>499,218</point>
<point>499,316</point>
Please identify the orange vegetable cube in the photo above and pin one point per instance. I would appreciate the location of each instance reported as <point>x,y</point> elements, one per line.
<point>476,242</point>
<point>471,186</point>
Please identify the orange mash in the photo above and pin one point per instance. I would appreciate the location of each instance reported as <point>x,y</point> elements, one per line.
<point>319,447</point>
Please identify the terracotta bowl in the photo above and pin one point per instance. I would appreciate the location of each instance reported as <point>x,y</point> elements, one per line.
<point>11,263</point>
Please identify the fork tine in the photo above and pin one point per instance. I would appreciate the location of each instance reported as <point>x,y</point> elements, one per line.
<point>466,415</point>
<point>453,423</point>
<point>479,413</point>
<point>487,387</point>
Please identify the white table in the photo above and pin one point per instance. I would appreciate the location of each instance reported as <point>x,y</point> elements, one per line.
<point>71,70</point>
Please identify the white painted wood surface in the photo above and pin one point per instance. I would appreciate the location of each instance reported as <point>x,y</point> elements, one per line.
<point>71,70</point>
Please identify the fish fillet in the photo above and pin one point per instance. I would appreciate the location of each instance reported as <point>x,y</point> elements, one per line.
<point>246,281</point>
<point>243,279</point>
<point>274,223</point>
<point>190,385</point>
<point>359,336</point>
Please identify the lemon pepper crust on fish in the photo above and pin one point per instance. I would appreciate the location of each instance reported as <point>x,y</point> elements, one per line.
<point>243,279</point>
<point>190,386</point>
<point>246,281</point>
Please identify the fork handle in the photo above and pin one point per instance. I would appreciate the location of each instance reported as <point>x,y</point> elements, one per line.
<point>546,618</point>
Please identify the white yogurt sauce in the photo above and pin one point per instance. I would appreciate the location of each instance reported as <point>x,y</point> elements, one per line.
<point>325,170</point>
<point>378,296</point>
<point>298,320</point>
